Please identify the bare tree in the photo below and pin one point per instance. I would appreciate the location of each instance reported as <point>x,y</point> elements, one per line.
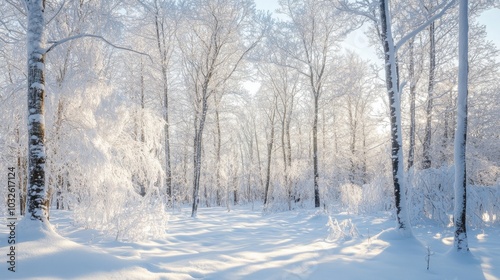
<point>165,29</point>
<point>427,162</point>
<point>271,116</point>
<point>315,30</point>
<point>390,47</point>
<point>284,83</point>
<point>212,52</point>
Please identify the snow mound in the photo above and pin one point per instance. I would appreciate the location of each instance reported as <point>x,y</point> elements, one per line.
<point>41,253</point>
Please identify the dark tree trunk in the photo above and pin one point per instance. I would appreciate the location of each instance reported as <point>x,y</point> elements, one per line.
<point>163,51</point>
<point>218,144</point>
<point>168,166</point>
<point>413,90</point>
<point>142,190</point>
<point>352,145</point>
<point>315,151</point>
<point>364,162</point>
<point>444,142</point>
<point>21,171</point>
<point>197,150</point>
<point>250,171</point>
<point>258,155</point>
<point>37,198</point>
<point>426,163</point>
<point>269,156</point>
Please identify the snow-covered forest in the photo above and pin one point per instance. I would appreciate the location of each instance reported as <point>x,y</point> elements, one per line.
<point>164,139</point>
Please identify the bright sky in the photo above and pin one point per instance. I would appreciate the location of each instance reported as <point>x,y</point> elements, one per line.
<point>358,41</point>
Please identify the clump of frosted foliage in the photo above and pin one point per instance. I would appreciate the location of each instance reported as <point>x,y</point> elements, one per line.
<point>350,196</point>
<point>343,231</point>
<point>431,198</point>
<point>109,167</point>
<point>431,194</point>
<point>114,207</point>
<point>368,198</point>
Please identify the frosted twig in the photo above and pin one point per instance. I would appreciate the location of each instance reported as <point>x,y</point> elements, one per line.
<point>62,41</point>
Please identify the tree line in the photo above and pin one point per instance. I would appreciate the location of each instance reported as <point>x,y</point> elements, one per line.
<point>134,105</point>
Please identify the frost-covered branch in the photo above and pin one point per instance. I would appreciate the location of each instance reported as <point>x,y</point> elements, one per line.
<point>361,8</point>
<point>62,41</point>
<point>57,13</point>
<point>414,32</point>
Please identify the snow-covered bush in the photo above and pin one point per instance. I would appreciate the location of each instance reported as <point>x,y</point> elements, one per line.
<point>351,196</point>
<point>483,205</point>
<point>106,167</point>
<point>431,197</point>
<point>430,194</point>
<point>368,198</point>
<point>343,231</point>
<point>377,196</point>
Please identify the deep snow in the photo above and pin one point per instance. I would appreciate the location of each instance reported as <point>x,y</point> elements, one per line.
<point>244,244</point>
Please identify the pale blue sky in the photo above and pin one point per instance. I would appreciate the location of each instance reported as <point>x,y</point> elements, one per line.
<point>359,42</point>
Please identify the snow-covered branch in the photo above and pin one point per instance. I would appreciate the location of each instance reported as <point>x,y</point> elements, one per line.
<point>62,41</point>
<point>424,25</point>
<point>57,13</point>
<point>362,8</point>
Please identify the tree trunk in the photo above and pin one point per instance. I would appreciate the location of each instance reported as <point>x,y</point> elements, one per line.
<point>258,154</point>
<point>21,171</point>
<point>218,144</point>
<point>250,171</point>
<point>168,166</point>
<point>37,193</point>
<point>142,184</point>
<point>426,163</point>
<point>284,150</point>
<point>365,157</point>
<point>413,89</point>
<point>444,142</point>
<point>352,145</point>
<point>460,239</point>
<point>197,151</point>
<point>315,151</point>
<point>269,156</point>
<point>289,148</point>
<point>162,49</point>
<point>392,83</point>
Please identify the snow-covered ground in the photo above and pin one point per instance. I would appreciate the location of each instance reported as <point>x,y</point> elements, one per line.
<point>244,244</point>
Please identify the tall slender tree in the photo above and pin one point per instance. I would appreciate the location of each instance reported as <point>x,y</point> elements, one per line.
<point>390,48</point>
<point>218,36</point>
<point>36,192</point>
<point>316,30</point>
<point>460,238</point>
<point>427,159</point>
<point>392,84</point>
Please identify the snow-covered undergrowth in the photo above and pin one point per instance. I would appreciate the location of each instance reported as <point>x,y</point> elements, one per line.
<point>431,197</point>
<point>244,244</point>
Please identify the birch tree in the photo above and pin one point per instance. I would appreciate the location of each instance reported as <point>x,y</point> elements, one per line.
<point>36,41</point>
<point>383,24</point>
<point>460,243</point>
<point>427,162</point>
<point>37,49</point>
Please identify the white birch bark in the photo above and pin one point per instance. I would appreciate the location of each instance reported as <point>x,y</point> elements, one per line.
<point>392,83</point>
<point>37,193</point>
<point>460,240</point>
